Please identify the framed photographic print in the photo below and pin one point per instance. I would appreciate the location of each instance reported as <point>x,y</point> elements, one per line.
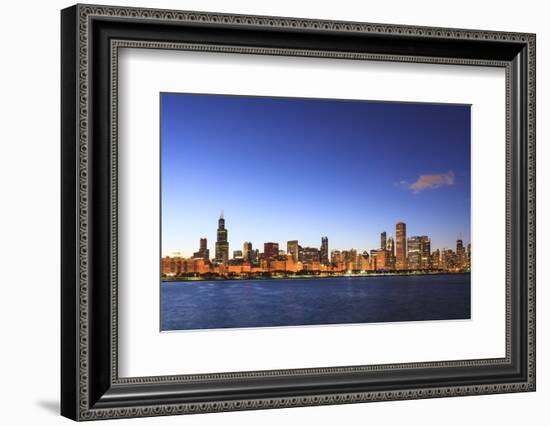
<point>263,212</point>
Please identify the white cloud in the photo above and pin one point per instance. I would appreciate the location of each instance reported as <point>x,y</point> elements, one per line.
<point>430,182</point>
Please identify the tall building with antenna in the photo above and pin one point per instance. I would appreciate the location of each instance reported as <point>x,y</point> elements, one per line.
<point>222,245</point>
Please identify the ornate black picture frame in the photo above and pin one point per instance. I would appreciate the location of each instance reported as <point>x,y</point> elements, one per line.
<point>91,387</point>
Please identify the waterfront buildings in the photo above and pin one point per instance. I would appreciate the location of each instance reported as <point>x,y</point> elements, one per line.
<point>247,251</point>
<point>293,249</point>
<point>254,256</point>
<point>419,252</point>
<point>379,260</point>
<point>203,252</point>
<point>401,246</point>
<point>271,250</point>
<point>336,256</point>
<point>324,251</point>
<point>310,255</point>
<point>390,248</point>
<point>436,260</point>
<point>413,252</point>
<point>425,252</point>
<point>399,255</point>
<point>460,251</point>
<point>222,245</point>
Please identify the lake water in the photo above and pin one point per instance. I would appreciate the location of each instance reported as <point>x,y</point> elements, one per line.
<point>190,305</point>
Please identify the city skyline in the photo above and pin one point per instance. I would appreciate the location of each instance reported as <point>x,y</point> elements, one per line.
<point>286,167</point>
<point>406,254</point>
<point>205,243</point>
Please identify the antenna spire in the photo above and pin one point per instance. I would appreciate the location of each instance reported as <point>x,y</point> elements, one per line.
<point>221,214</point>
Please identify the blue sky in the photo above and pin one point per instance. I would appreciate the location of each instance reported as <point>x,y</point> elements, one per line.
<point>291,168</point>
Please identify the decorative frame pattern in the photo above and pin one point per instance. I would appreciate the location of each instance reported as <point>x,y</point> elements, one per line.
<point>87,405</point>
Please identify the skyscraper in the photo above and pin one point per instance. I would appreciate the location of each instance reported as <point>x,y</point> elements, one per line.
<point>419,252</point>
<point>460,253</point>
<point>414,250</point>
<point>390,248</point>
<point>401,246</point>
<point>310,254</point>
<point>293,249</point>
<point>459,247</point>
<point>425,252</point>
<point>383,240</point>
<point>247,251</point>
<point>381,260</point>
<point>203,252</point>
<point>436,260</point>
<point>324,251</point>
<point>254,256</point>
<point>222,246</point>
<point>271,250</point>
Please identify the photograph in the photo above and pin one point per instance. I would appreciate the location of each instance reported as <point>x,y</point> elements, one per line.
<point>281,211</point>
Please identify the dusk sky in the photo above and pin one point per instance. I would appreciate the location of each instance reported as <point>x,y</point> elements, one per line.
<point>290,168</point>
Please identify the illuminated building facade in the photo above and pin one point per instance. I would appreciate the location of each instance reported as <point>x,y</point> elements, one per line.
<point>222,245</point>
<point>436,260</point>
<point>414,252</point>
<point>271,250</point>
<point>293,249</point>
<point>310,255</point>
<point>247,251</point>
<point>203,252</point>
<point>425,252</point>
<point>390,249</point>
<point>379,260</point>
<point>460,252</point>
<point>312,260</point>
<point>324,251</point>
<point>419,252</point>
<point>336,256</point>
<point>401,246</point>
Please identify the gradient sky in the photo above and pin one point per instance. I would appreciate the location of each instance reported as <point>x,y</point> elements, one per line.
<point>291,168</point>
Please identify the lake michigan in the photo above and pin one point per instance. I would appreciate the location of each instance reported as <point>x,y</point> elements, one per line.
<point>192,305</point>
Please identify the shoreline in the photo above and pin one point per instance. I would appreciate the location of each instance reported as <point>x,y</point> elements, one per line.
<point>307,277</point>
